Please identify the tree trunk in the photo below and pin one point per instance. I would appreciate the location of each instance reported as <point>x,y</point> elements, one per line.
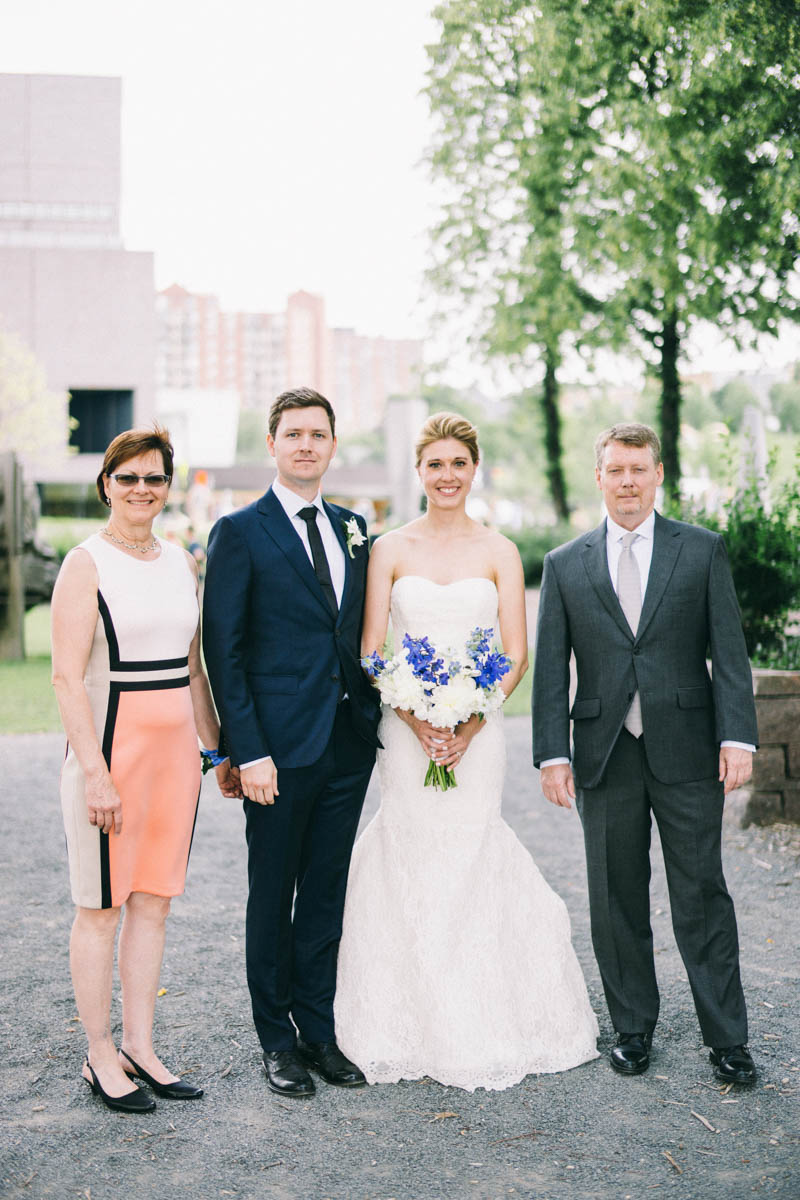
<point>670,407</point>
<point>552,437</point>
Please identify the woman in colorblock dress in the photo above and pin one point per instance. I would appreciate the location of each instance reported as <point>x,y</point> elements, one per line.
<point>133,697</point>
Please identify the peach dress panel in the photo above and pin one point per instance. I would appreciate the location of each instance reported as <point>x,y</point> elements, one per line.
<point>137,680</point>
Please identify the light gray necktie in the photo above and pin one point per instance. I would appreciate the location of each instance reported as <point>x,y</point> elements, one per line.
<point>629,591</point>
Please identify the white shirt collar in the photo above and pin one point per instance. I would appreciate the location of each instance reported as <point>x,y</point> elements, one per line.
<point>291,502</point>
<point>615,532</point>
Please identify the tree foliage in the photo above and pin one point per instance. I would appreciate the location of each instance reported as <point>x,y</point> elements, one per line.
<point>505,86</point>
<point>761,535</point>
<point>691,207</point>
<point>33,419</point>
<point>617,170</point>
<point>785,399</point>
<point>732,399</point>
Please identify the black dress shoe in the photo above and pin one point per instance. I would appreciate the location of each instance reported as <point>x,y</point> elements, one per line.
<point>328,1061</point>
<point>177,1090</point>
<point>132,1102</point>
<point>631,1055</point>
<point>286,1074</point>
<point>733,1064</point>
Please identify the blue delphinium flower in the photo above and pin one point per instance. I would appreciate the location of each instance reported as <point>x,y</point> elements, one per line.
<point>479,641</point>
<point>373,664</point>
<point>491,669</point>
<point>424,663</point>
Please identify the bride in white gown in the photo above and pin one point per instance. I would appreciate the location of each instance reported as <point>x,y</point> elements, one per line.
<point>455,960</point>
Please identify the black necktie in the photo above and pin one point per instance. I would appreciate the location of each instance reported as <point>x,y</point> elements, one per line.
<point>321,568</point>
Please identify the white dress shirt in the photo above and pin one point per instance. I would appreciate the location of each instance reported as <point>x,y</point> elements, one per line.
<point>642,550</point>
<point>291,504</point>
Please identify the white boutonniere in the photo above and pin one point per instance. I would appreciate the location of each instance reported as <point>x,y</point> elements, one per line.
<point>353,535</point>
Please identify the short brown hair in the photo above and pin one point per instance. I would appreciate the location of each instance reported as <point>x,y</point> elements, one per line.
<point>130,444</point>
<point>448,425</point>
<point>629,433</point>
<point>302,397</point>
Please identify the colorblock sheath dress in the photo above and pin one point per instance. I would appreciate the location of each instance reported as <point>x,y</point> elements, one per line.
<point>137,680</point>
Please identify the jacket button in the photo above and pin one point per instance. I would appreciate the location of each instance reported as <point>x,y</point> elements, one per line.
<point>637,650</point>
<point>335,678</point>
<point>337,633</point>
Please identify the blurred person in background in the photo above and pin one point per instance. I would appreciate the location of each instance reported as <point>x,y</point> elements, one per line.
<point>133,697</point>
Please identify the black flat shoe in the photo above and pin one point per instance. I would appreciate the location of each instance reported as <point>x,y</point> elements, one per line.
<point>178,1090</point>
<point>328,1061</point>
<point>132,1102</point>
<point>286,1074</point>
<point>631,1055</point>
<point>733,1064</point>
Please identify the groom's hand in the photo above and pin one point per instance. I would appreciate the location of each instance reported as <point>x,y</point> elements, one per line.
<point>558,784</point>
<point>260,781</point>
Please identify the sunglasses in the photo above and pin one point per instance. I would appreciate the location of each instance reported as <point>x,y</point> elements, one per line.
<point>153,481</point>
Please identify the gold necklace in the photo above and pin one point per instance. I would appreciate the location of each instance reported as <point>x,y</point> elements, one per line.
<point>142,549</point>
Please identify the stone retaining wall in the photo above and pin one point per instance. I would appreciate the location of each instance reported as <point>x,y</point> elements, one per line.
<point>774,791</point>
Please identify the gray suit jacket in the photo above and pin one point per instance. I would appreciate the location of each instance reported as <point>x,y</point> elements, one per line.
<point>689,611</point>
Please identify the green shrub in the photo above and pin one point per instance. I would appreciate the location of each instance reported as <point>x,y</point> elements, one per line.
<point>534,543</point>
<point>763,542</point>
<point>62,533</point>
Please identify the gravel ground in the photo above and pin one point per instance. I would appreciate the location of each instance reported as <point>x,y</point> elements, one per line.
<point>584,1134</point>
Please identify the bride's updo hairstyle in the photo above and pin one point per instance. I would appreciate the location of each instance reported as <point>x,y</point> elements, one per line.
<point>448,425</point>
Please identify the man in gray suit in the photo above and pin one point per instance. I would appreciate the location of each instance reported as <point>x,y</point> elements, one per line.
<point>642,601</point>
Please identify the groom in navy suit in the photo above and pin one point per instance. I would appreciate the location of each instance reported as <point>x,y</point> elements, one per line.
<point>283,608</point>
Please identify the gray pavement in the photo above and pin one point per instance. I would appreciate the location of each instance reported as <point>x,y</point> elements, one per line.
<point>583,1134</point>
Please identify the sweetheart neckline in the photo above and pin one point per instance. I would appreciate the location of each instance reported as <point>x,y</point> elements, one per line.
<point>452,583</point>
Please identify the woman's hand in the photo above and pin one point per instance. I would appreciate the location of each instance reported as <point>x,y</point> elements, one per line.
<point>459,741</point>
<point>435,742</point>
<point>444,746</point>
<point>228,780</point>
<point>103,803</point>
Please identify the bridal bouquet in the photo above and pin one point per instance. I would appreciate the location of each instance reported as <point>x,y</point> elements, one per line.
<point>441,687</point>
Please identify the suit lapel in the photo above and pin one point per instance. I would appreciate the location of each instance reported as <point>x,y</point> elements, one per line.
<point>666,548</point>
<point>595,561</point>
<point>276,523</point>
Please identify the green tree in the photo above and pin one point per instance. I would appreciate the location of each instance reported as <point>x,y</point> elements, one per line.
<point>696,192</point>
<point>699,408</point>
<point>506,88</point>
<point>785,399</point>
<point>732,400</point>
<point>251,436</point>
<point>33,420</point>
<point>636,160</point>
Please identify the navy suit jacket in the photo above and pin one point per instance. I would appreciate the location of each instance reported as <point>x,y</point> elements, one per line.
<point>689,613</point>
<point>277,659</point>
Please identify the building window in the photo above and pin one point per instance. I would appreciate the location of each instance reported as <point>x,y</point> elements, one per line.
<point>100,416</point>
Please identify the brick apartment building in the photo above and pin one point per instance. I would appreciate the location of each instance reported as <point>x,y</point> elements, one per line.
<point>200,346</point>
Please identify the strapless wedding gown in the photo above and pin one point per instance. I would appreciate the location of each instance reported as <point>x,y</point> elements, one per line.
<point>455,960</point>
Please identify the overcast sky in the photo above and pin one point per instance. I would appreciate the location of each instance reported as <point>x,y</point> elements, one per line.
<point>270,146</point>
<point>266,146</point>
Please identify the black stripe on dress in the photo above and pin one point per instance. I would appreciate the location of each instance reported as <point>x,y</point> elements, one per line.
<point>111,634</point>
<point>148,685</point>
<point>108,742</point>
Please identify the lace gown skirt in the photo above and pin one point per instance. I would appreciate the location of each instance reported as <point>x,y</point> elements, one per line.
<point>456,960</point>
